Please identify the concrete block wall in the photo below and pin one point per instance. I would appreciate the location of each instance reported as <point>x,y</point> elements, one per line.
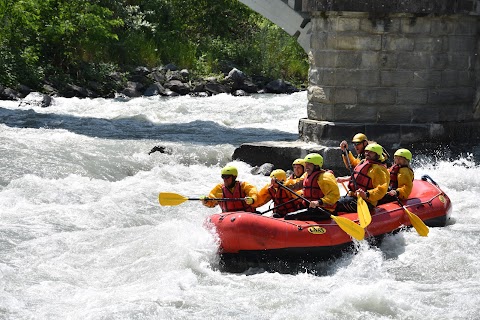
<point>393,68</point>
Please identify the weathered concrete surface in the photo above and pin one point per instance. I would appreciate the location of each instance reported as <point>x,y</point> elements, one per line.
<point>389,6</point>
<point>393,135</point>
<point>400,69</point>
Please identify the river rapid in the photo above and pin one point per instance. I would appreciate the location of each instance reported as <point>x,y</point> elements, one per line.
<point>82,235</point>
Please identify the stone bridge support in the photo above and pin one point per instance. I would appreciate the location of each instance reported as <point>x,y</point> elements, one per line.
<point>404,72</point>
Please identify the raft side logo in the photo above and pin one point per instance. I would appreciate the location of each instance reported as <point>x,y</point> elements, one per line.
<point>316,230</point>
<point>441,198</point>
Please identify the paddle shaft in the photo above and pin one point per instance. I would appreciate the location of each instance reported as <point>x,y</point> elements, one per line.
<point>282,204</point>
<point>218,199</point>
<point>293,192</point>
<point>345,152</point>
<point>416,222</point>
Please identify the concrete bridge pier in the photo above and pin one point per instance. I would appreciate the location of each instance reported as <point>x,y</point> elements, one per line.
<point>405,73</point>
<point>401,78</point>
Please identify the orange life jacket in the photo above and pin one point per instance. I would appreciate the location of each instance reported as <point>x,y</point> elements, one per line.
<point>234,205</point>
<point>394,175</point>
<point>363,181</point>
<point>280,196</point>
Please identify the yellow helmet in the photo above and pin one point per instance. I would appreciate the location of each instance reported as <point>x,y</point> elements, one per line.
<point>375,147</point>
<point>314,158</point>
<point>359,137</point>
<point>230,170</point>
<point>278,174</point>
<point>299,161</point>
<point>404,153</point>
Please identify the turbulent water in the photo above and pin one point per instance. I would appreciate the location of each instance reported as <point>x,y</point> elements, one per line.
<point>82,235</point>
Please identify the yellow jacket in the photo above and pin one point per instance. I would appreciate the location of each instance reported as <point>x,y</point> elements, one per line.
<point>249,190</point>
<point>405,178</point>
<point>380,180</point>
<point>328,184</point>
<point>354,161</point>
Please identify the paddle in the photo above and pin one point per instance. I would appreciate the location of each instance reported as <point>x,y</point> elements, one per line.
<point>173,199</point>
<point>362,209</point>
<point>350,227</point>
<point>280,205</point>
<point>416,222</point>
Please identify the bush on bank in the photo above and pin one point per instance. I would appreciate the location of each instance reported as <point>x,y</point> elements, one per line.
<point>61,43</point>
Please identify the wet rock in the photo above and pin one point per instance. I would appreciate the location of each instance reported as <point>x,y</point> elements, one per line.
<point>280,86</point>
<point>155,89</point>
<point>36,99</point>
<point>265,169</point>
<point>178,87</point>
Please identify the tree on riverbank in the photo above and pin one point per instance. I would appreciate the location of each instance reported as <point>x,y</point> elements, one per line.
<point>64,41</point>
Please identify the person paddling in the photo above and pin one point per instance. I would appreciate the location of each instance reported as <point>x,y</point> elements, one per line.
<point>231,188</point>
<point>401,177</point>
<point>283,201</point>
<point>319,188</point>
<point>359,141</point>
<point>369,180</point>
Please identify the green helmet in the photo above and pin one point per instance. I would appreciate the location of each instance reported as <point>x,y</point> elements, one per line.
<point>299,161</point>
<point>278,174</point>
<point>375,147</point>
<point>314,158</point>
<point>230,170</point>
<point>359,137</point>
<point>404,153</point>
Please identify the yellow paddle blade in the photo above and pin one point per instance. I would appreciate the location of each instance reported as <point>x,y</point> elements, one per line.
<point>171,199</point>
<point>417,223</point>
<point>364,215</point>
<point>350,227</point>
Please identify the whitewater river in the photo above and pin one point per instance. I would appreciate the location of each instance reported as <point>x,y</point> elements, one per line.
<point>82,235</point>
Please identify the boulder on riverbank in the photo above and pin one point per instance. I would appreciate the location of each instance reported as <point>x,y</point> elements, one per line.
<point>167,81</point>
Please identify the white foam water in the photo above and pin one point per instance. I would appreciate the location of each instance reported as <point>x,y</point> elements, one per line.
<point>82,235</point>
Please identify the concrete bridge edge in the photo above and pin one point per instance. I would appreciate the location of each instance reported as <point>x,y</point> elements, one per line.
<point>285,15</point>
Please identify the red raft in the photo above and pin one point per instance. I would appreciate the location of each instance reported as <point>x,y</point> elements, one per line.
<point>247,238</point>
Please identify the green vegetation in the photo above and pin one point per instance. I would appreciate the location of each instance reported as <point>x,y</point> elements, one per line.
<point>83,40</point>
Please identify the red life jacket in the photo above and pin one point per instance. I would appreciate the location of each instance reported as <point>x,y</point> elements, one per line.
<point>394,175</point>
<point>363,181</point>
<point>238,205</point>
<point>280,196</point>
<point>311,189</point>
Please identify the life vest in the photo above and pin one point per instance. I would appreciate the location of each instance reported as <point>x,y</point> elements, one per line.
<point>363,181</point>
<point>281,196</point>
<point>394,175</point>
<point>237,205</point>
<point>311,189</point>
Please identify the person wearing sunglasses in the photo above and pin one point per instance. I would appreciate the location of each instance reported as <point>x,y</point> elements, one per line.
<point>359,141</point>
<point>243,194</point>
